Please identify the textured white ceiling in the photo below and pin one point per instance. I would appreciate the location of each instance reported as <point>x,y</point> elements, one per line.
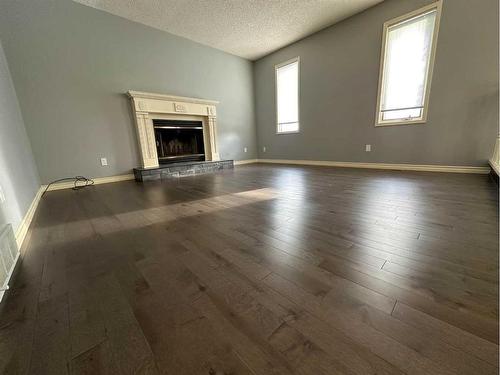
<point>247,28</point>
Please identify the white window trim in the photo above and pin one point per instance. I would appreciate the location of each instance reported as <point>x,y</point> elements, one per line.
<point>422,119</point>
<point>276,67</point>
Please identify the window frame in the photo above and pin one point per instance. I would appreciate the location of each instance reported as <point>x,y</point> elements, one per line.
<point>430,68</point>
<point>276,67</point>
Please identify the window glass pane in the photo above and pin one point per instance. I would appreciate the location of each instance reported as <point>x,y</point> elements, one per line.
<point>287,79</point>
<point>407,57</point>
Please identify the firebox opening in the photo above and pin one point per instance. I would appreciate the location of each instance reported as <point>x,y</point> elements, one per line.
<point>179,140</point>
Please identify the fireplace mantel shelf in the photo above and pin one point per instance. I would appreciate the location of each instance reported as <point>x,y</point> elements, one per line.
<point>173,98</point>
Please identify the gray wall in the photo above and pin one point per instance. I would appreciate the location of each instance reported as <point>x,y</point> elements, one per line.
<point>18,174</point>
<point>71,65</point>
<point>339,77</point>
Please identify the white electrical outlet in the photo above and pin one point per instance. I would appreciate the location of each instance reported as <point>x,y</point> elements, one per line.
<point>264,149</point>
<point>245,149</point>
<point>2,195</point>
<point>368,148</point>
<point>104,162</point>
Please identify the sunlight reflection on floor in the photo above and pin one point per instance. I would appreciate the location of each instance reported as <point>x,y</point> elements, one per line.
<point>72,231</point>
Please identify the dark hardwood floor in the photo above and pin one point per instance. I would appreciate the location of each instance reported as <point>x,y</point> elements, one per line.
<point>260,270</point>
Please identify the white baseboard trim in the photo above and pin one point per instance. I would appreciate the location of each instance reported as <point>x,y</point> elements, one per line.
<point>22,230</point>
<point>399,167</point>
<point>97,181</point>
<point>246,161</point>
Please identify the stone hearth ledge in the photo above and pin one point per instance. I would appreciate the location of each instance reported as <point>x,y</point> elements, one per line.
<point>165,171</point>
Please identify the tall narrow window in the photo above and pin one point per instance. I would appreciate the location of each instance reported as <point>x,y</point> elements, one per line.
<point>287,96</point>
<point>408,49</point>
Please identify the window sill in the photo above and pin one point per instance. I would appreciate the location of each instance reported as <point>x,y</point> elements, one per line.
<point>402,122</point>
<point>290,132</point>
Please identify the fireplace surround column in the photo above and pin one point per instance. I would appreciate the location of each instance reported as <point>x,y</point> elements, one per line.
<point>212,129</point>
<point>146,138</point>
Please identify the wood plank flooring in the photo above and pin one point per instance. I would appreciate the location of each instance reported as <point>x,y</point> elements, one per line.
<point>260,270</point>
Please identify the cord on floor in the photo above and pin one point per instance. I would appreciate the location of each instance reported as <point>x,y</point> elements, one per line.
<point>78,180</point>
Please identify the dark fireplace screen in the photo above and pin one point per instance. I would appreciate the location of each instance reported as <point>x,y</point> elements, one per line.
<point>179,140</point>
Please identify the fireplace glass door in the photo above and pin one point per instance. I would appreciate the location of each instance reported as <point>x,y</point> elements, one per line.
<point>179,140</point>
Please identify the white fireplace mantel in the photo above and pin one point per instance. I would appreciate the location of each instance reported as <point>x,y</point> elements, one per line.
<point>148,106</point>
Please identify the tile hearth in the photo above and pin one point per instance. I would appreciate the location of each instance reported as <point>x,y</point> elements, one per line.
<point>181,169</point>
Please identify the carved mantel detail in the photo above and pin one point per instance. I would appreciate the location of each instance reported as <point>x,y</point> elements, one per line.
<point>148,106</point>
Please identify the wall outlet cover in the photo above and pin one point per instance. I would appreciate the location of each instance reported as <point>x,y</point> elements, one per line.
<point>104,162</point>
<point>264,149</point>
<point>368,148</point>
<point>245,149</point>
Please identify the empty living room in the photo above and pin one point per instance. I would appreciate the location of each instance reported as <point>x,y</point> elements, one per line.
<point>249,187</point>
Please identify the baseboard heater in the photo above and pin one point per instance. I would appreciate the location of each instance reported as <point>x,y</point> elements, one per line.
<point>9,254</point>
